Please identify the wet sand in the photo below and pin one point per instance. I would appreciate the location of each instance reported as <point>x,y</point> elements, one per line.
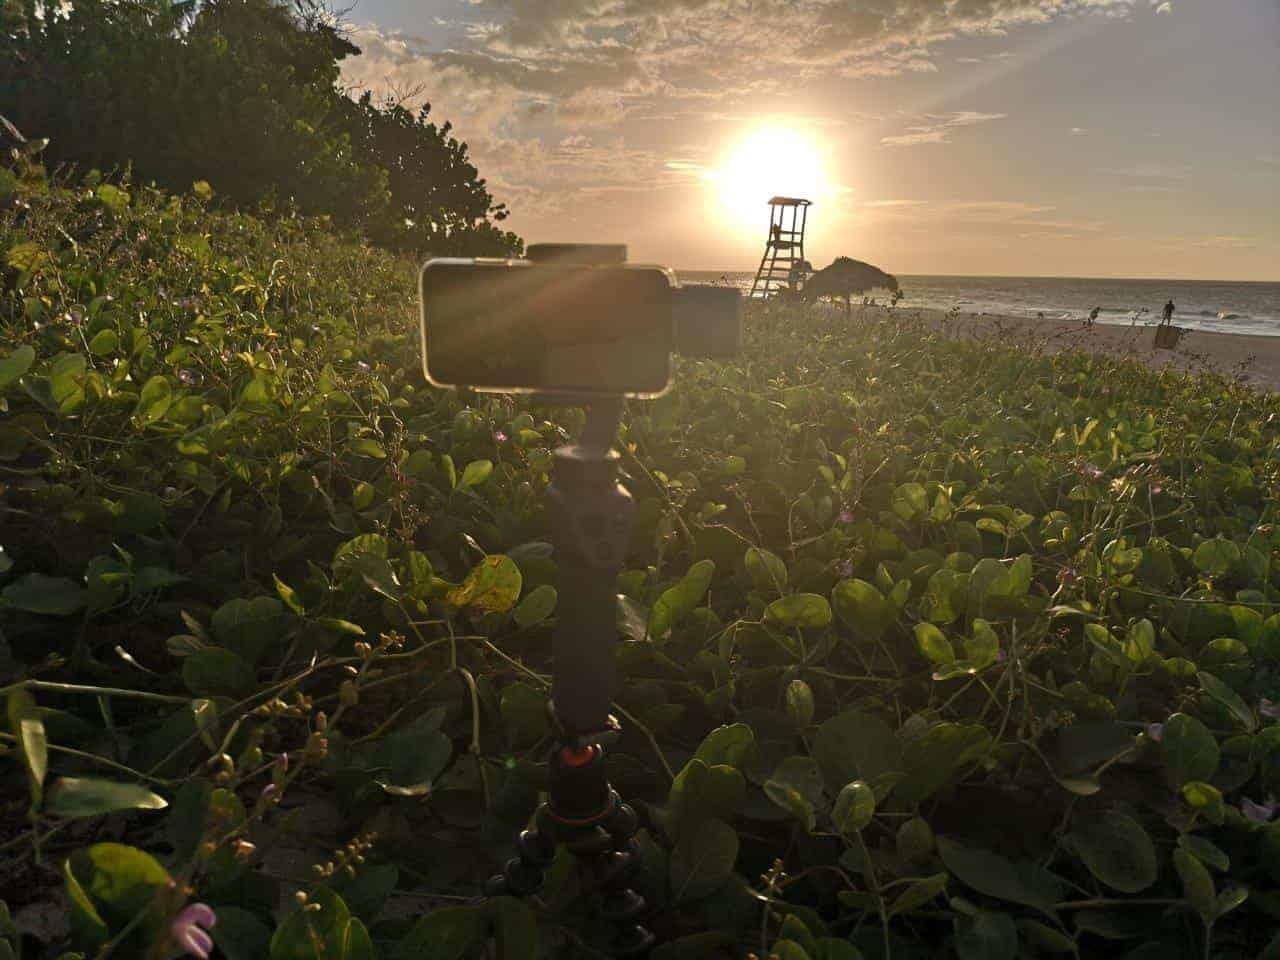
<point>1254,360</point>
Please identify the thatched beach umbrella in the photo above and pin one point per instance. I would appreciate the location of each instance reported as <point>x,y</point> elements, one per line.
<point>846,277</point>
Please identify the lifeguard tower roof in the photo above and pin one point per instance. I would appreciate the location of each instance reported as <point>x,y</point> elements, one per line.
<point>788,202</point>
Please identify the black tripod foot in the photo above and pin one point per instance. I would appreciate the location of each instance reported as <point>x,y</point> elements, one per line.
<point>587,817</point>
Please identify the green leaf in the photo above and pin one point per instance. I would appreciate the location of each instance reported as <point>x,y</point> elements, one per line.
<point>52,596</point>
<point>1205,798</point>
<point>796,786</point>
<point>910,501</point>
<point>537,605</point>
<point>492,586</point>
<point>862,608</point>
<point>934,645</point>
<point>476,473</point>
<point>240,934</point>
<point>987,936</point>
<point>345,627</point>
<point>446,933</point>
<point>1216,558</point>
<point>314,934</point>
<point>1197,885</point>
<point>154,400</point>
<point>703,860</point>
<point>982,648</point>
<point>803,610</point>
<point>991,874</point>
<point>113,198</point>
<point>33,748</point>
<point>88,797</point>
<point>214,671</point>
<point>728,745</point>
<point>524,713</point>
<point>799,698</point>
<point>1206,851</point>
<point>854,807</point>
<point>919,893</point>
<point>856,746</point>
<point>367,447</point>
<point>1215,689</point>
<point>700,793</point>
<point>1190,750</point>
<point>289,596</point>
<point>632,619</point>
<point>1116,849</point>
<point>1140,642</point>
<point>104,342</point>
<point>767,570</point>
<point>249,627</point>
<point>450,471</point>
<point>678,601</point>
<point>515,928</point>
<point>932,759</point>
<point>15,365</point>
<point>110,885</point>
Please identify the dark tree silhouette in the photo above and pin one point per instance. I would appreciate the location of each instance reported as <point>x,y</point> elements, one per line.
<point>244,94</point>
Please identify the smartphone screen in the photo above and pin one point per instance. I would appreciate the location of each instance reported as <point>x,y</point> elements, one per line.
<point>512,326</point>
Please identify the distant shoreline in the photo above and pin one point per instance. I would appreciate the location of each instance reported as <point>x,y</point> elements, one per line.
<point>1252,359</point>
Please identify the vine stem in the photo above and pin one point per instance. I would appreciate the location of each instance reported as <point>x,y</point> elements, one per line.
<point>94,758</point>
<point>96,691</point>
<point>1104,902</point>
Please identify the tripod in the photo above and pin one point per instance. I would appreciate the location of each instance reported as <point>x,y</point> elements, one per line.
<point>590,514</point>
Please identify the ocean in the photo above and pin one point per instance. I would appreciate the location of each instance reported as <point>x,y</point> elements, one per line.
<point>1211,305</point>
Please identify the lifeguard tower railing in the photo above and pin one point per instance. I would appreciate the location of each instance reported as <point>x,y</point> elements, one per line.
<point>783,261</point>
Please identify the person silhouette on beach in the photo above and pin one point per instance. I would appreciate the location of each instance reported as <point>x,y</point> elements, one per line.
<point>1093,315</point>
<point>1168,311</point>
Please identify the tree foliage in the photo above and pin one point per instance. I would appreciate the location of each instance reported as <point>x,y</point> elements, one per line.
<point>246,95</point>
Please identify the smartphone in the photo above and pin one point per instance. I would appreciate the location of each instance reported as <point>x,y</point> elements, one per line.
<point>514,326</point>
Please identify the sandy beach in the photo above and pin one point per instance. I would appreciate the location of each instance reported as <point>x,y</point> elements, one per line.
<point>1254,360</point>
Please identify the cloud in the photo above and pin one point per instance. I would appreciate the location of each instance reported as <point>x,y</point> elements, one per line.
<point>1078,131</point>
<point>1227,243</point>
<point>520,76</point>
<point>937,128</point>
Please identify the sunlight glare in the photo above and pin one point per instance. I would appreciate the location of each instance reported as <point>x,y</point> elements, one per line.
<point>769,161</point>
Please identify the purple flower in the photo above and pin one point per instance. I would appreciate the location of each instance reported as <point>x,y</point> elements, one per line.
<point>846,516</point>
<point>269,791</point>
<point>499,437</point>
<point>186,377</point>
<point>1091,472</point>
<point>1155,731</point>
<point>1258,812</point>
<point>1269,709</point>
<point>189,929</point>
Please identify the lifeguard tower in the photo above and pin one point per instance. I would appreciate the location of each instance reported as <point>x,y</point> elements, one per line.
<point>783,261</point>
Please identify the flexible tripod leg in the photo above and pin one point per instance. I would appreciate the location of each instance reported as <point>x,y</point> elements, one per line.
<point>586,816</point>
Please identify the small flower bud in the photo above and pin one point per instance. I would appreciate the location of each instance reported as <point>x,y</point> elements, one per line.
<point>348,694</point>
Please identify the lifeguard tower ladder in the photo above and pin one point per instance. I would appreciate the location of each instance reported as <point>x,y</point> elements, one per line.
<point>784,250</point>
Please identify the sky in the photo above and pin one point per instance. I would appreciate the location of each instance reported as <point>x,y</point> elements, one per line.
<point>1104,138</point>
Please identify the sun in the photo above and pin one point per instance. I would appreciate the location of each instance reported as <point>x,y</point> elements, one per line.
<point>769,161</point>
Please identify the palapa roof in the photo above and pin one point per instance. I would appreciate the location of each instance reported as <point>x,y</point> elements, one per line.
<point>789,202</point>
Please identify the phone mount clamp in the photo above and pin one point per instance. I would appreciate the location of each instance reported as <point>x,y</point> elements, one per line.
<point>590,515</point>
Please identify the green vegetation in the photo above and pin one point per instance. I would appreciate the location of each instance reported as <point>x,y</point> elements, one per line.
<point>931,647</point>
<point>246,95</point>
